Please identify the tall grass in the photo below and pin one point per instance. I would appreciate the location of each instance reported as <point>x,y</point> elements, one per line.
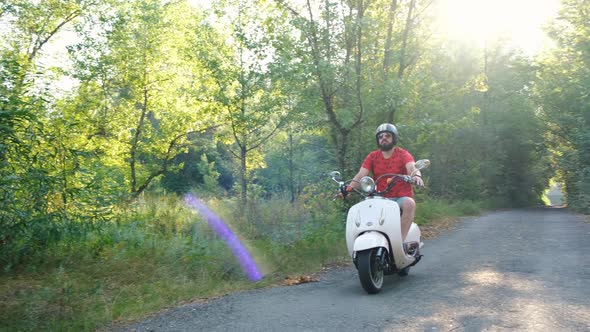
<point>161,253</point>
<point>431,209</point>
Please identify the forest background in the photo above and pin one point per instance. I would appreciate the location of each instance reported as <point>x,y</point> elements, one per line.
<point>247,104</point>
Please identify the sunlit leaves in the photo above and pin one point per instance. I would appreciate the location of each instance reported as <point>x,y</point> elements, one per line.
<point>563,88</point>
<point>151,91</point>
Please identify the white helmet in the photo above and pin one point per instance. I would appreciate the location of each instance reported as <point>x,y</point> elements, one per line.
<point>389,128</point>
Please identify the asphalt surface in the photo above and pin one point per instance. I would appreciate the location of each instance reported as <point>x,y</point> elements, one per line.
<point>513,270</point>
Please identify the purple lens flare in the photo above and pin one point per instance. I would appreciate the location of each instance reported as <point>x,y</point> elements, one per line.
<point>224,232</point>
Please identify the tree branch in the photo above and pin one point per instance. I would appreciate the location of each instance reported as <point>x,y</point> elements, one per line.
<point>168,158</point>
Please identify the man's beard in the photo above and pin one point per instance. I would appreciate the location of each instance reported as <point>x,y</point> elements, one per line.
<point>386,147</point>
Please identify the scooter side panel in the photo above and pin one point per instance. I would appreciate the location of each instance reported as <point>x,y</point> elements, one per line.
<point>401,258</point>
<point>414,234</point>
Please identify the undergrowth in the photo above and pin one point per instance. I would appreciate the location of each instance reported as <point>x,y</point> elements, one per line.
<point>431,209</point>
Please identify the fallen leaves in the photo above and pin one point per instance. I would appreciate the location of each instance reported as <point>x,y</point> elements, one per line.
<point>302,279</point>
<point>441,225</point>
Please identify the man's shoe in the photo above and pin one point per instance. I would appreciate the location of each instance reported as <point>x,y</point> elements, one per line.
<point>411,247</point>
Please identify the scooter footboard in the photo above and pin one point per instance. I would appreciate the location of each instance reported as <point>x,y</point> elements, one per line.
<point>370,240</point>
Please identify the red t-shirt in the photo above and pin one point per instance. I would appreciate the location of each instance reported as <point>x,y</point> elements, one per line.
<point>396,164</point>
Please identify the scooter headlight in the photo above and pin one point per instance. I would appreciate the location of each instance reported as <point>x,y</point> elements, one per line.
<point>367,184</point>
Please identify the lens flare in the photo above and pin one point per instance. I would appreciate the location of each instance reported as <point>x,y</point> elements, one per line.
<point>224,232</point>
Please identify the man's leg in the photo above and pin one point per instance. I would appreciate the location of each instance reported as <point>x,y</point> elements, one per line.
<point>408,206</point>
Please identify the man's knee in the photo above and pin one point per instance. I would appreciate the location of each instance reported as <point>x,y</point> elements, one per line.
<point>409,204</point>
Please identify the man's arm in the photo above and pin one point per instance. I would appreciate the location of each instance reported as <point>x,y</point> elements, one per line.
<point>417,175</point>
<point>362,172</point>
<point>355,184</point>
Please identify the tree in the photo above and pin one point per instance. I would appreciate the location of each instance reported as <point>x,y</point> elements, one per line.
<point>399,59</point>
<point>29,180</point>
<point>358,67</point>
<point>145,84</point>
<point>332,41</point>
<point>254,100</point>
<point>476,120</point>
<point>563,89</point>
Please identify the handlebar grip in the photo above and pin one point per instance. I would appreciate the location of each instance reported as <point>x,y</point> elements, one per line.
<point>344,189</point>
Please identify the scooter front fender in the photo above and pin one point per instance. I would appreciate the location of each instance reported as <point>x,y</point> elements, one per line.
<point>370,240</point>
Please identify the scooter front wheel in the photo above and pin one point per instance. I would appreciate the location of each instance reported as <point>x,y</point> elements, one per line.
<point>370,271</point>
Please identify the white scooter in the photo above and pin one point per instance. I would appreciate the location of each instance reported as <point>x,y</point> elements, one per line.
<point>373,231</point>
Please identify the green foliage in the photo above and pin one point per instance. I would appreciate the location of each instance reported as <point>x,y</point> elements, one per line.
<point>205,165</point>
<point>159,254</point>
<point>145,93</point>
<point>562,89</point>
<point>481,132</point>
<point>255,100</point>
<point>292,161</point>
<point>34,166</point>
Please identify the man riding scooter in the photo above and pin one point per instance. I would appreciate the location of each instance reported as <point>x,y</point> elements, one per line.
<point>391,159</point>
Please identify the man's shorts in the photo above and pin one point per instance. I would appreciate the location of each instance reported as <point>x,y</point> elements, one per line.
<point>399,200</point>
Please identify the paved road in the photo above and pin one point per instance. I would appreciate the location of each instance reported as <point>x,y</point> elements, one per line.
<point>515,270</point>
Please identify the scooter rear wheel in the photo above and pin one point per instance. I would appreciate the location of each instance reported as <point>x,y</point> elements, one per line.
<point>370,271</point>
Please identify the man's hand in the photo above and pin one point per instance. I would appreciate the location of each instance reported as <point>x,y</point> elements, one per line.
<point>343,192</point>
<point>418,180</point>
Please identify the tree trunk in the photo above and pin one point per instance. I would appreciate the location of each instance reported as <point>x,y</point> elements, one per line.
<point>291,169</point>
<point>387,52</point>
<point>135,141</point>
<point>243,175</point>
<point>403,61</point>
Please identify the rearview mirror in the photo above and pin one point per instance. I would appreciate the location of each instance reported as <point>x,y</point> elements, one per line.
<point>335,175</point>
<point>422,164</point>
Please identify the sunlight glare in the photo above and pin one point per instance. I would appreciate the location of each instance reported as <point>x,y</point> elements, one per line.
<point>481,21</point>
<point>205,4</point>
